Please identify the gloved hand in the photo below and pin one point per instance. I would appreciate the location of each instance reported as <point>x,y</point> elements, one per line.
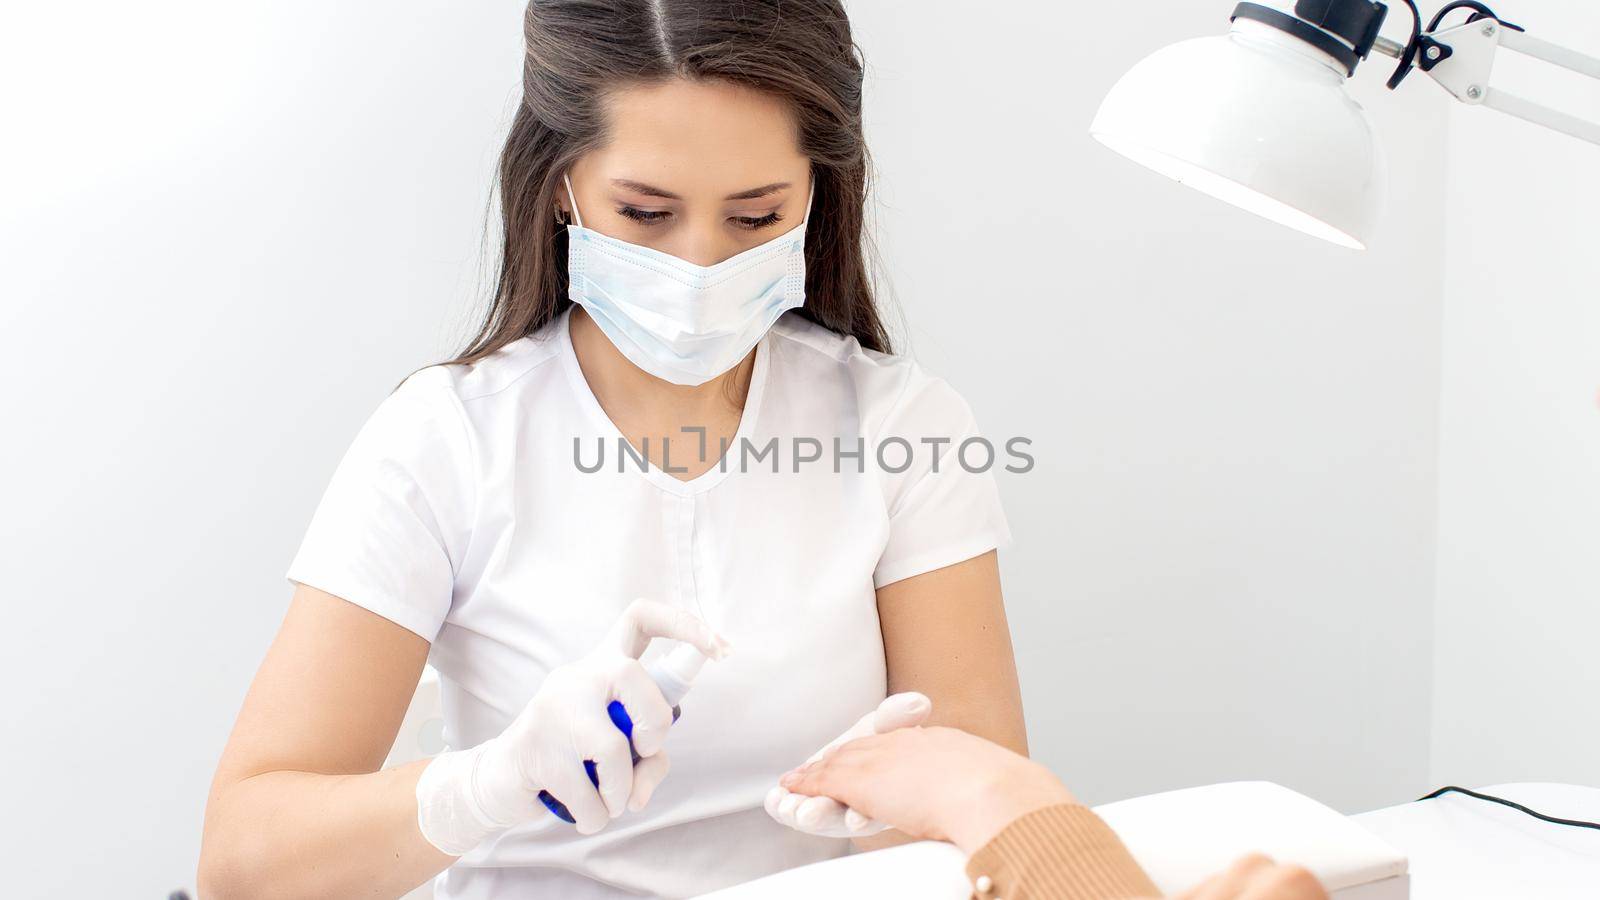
<point>828,817</point>
<point>465,796</point>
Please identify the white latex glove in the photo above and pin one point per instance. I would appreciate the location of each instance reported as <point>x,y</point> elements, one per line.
<point>826,816</point>
<point>465,796</point>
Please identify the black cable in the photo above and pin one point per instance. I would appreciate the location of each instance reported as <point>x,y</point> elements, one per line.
<point>1409,54</point>
<point>1479,11</point>
<point>1576,823</point>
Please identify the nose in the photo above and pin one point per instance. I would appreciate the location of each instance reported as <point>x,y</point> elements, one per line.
<point>704,244</point>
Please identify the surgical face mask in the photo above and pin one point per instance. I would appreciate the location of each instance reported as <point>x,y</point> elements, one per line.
<point>682,322</point>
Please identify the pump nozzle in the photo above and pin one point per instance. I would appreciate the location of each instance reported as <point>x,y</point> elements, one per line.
<point>674,672</point>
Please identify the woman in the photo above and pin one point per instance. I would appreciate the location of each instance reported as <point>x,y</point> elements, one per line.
<point>1026,835</point>
<point>682,283</point>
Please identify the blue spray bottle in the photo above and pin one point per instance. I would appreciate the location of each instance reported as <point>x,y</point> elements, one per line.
<point>673,673</point>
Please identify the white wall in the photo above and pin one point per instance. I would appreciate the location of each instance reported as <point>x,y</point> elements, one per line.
<point>1519,499</point>
<point>228,229</point>
<point>1223,564</point>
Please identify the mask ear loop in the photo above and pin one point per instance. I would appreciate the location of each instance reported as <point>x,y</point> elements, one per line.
<point>577,216</point>
<point>811,194</point>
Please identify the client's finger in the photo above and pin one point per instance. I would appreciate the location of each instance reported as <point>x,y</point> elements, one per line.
<point>808,779</point>
<point>1229,884</point>
<point>1285,883</point>
<point>835,775</point>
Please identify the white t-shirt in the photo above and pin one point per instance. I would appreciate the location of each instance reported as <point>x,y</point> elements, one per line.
<point>462,512</point>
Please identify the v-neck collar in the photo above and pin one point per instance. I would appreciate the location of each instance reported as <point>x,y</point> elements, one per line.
<point>610,432</point>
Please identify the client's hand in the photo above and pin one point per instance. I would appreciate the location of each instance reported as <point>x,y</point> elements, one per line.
<point>939,783</point>
<point>1255,877</point>
<point>826,816</point>
<point>946,784</point>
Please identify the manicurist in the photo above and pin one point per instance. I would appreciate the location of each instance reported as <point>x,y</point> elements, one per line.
<point>682,288</point>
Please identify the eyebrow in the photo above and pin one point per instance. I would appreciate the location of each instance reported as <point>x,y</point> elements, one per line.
<point>652,191</point>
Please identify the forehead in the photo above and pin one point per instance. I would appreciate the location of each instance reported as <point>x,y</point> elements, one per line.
<point>691,135</point>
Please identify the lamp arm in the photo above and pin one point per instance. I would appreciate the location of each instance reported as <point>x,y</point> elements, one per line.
<point>1461,58</point>
<point>1392,49</point>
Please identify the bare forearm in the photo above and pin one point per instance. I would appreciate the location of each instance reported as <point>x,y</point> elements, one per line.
<point>945,635</point>
<point>300,834</point>
<point>993,711</point>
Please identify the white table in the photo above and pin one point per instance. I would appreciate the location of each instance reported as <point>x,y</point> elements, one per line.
<point>1179,838</point>
<point>1459,848</point>
<point>1462,848</point>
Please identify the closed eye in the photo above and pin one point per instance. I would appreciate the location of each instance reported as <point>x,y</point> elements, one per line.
<point>654,216</point>
<point>643,215</point>
<point>771,218</point>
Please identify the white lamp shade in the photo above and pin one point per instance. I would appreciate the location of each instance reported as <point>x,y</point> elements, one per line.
<point>1258,119</point>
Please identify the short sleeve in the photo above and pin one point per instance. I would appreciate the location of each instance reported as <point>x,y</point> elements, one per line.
<point>390,529</point>
<point>944,507</point>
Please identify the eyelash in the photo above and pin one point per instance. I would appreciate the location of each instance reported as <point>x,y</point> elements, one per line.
<point>651,217</point>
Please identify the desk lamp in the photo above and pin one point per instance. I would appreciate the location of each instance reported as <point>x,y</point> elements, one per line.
<point>1260,117</point>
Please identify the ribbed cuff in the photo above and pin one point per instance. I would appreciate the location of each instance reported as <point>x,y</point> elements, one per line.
<point>1060,852</point>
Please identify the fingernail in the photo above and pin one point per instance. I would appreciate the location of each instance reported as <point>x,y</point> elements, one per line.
<point>789,779</point>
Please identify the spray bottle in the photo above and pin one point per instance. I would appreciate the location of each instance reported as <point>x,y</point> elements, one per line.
<point>673,673</point>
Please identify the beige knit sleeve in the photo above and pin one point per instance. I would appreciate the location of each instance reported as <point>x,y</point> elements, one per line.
<point>1061,852</point>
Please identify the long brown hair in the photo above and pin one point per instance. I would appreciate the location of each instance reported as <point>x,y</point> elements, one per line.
<point>577,50</point>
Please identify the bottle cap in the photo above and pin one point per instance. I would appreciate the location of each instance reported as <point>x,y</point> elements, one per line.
<point>676,670</point>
